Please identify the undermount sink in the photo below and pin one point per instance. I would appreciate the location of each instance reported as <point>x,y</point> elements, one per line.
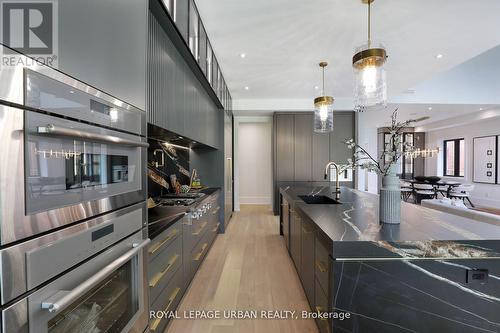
<point>318,200</point>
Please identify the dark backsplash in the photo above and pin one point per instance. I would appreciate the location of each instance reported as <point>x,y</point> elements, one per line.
<point>176,161</point>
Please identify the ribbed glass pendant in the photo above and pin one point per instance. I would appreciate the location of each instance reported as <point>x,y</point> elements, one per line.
<point>323,109</point>
<point>370,85</point>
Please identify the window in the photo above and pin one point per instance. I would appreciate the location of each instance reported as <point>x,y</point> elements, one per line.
<point>454,158</point>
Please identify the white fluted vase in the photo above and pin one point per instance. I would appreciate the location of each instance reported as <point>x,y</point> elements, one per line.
<point>390,198</point>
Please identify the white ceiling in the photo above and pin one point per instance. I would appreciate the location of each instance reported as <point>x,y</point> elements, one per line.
<point>285,39</point>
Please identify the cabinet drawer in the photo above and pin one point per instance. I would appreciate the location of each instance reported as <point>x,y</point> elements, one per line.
<point>194,232</point>
<point>198,254</point>
<point>164,239</point>
<point>321,300</point>
<point>167,301</point>
<point>163,267</point>
<point>322,262</point>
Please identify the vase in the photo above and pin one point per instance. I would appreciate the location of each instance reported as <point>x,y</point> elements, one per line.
<point>390,198</point>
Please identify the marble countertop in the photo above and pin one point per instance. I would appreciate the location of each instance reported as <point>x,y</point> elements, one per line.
<point>355,231</point>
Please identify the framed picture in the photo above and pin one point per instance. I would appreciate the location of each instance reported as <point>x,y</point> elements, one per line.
<point>485,160</point>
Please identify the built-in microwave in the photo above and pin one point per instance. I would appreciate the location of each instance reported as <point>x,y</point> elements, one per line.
<point>69,152</point>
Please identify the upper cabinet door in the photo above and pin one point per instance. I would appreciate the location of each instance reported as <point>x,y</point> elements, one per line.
<point>343,128</point>
<point>284,147</point>
<point>194,30</point>
<point>182,17</point>
<point>202,58</point>
<point>320,155</point>
<point>303,147</point>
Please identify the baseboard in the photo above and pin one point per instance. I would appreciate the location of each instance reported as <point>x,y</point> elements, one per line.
<point>255,200</point>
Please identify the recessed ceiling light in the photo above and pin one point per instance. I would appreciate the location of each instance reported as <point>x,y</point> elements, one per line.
<point>429,108</point>
<point>242,55</point>
<point>247,88</point>
<point>439,56</point>
<point>481,109</point>
<point>316,87</point>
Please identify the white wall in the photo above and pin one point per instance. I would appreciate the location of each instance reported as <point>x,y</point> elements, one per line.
<point>253,174</point>
<point>483,194</point>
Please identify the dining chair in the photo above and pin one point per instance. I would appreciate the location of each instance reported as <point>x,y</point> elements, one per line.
<point>463,192</point>
<point>424,191</point>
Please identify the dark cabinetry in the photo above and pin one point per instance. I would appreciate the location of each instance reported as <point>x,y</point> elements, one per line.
<point>300,154</point>
<point>295,235</point>
<point>311,253</point>
<point>302,144</point>
<point>177,100</point>
<point>285,222</point>
<point>284,135</point>
<point>307,258</point>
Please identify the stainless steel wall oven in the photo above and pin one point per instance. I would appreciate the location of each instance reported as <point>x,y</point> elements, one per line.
<point>70,152</point>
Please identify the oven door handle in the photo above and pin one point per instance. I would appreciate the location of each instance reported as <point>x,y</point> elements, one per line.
<point>62,299</point>
<point>64,131</point>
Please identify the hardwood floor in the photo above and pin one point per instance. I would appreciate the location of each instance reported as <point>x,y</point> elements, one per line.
<point>247,268</point>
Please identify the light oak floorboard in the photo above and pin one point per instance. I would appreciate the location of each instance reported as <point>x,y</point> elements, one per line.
<point>247,268</point>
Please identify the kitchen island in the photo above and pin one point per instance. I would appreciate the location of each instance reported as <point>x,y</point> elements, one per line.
<point>433,272</point>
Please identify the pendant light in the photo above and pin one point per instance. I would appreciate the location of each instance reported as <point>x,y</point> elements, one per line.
<point>323,108</point>
<point>370,87</point>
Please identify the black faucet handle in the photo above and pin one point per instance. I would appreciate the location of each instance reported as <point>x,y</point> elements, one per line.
<point>326,176</point>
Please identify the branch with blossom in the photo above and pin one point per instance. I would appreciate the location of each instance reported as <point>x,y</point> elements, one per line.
<point>362,159</point>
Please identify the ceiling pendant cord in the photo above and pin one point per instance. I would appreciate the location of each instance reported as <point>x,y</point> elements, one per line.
<point>369,23</point>
<point>323,80</point>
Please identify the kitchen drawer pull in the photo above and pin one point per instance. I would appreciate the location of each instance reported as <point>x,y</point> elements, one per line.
<point>159,245</point>
<point>320,266</point>
<point>203,248</point>
<point>70,132</point>
<point>172,298</point>
<point>203,225</point>
<point>216,227</point>
<point>216,210</point>
<point>319,309</point>
<point>62,299</point>
<point>154,281</point>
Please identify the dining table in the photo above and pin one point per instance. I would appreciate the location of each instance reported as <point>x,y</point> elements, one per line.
<point>448,183</point>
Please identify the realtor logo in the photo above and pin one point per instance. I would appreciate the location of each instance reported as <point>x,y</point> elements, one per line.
<point>30,27</point>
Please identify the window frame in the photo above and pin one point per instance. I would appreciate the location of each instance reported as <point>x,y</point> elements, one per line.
<point>456,171</point>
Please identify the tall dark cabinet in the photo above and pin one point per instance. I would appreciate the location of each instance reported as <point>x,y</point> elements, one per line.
<point>300,154</point>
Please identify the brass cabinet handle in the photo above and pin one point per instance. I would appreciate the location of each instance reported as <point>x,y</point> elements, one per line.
<point>154,281</point>
<point>158,246</point>
<point>216,210</point>
<point>172,298</point>
<point>319,309</point>
<point>320,266</point>
<point>216,227</point>
<point>203,225</point>
<point>198,256</point>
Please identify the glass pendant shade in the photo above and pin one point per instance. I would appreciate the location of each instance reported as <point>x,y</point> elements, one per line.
<point>370,86</point>
<point>323,114</point>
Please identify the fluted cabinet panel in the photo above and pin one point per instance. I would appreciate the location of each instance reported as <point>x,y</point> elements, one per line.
<point>177,100</point>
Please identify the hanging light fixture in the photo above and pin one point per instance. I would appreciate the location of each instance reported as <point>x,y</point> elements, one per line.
<point>323,108</point>
<point>370,87</point>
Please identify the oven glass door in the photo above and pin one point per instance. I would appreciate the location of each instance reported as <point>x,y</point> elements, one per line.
<point>70,166</point>
<point>108,307</point>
